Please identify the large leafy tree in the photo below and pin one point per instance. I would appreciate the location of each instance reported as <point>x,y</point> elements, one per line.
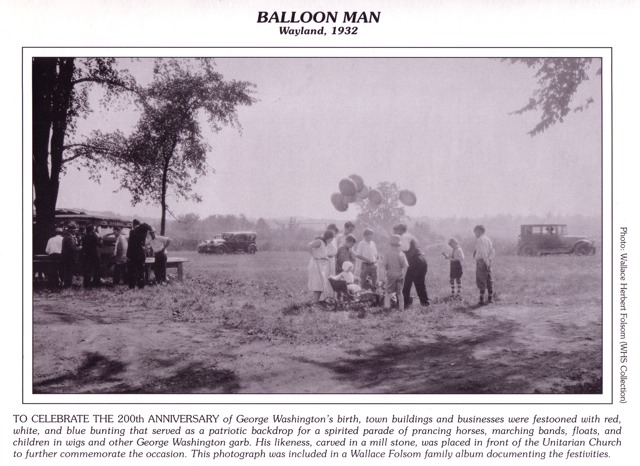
<point>60,87</point>
<point>384,216</point>
<point>166,153</point>
<point>558,82</point>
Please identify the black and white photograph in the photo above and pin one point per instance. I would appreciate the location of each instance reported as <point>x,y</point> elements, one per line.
<point>335,223</point>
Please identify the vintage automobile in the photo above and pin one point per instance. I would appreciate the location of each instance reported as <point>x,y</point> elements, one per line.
<point>230,242</point>
<point>542,239</point>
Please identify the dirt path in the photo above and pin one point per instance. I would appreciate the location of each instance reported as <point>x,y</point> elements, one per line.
<point>82,345</point>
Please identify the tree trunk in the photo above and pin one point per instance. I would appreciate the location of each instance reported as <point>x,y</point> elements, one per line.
<point>51,94</point>
<point>163,195</point>
<point>43,84</point>
<point>61,106</point>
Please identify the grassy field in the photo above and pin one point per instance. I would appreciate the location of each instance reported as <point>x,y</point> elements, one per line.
<point>241,324</point>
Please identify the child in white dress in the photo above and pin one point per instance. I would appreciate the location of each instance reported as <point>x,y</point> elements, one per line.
<point>348,277</point>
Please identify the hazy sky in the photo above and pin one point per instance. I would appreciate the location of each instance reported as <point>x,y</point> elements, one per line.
<point>440,127</point>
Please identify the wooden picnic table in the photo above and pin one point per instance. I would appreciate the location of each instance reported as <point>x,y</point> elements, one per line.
<point>43,263</point>
<point>172,262</point>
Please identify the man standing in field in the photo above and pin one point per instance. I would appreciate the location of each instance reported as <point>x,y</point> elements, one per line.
<point>68,255</point>
<point>417,272</point>
<point>119,256</point>
<point>91,243</point>
<point>367,256</point>
<point>54,251</point>
<point>136,254</point>
<point>483,255</point>
<point>159,245</point>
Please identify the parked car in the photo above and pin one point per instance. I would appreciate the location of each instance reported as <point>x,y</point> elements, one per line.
<point>231,242</point>
<point>552,238</point>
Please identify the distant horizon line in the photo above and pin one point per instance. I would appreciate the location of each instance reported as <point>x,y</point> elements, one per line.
<point>333,220</point>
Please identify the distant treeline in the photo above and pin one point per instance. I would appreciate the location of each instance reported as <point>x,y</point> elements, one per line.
<point>189,230</point>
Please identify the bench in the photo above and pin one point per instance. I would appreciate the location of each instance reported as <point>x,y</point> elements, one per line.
<point>44,264</point>
<point>172,263</point>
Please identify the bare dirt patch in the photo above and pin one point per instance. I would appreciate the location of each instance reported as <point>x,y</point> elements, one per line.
<point>240,324</point>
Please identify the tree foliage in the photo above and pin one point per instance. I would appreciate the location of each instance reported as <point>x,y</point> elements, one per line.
<point>383,217</point>
<point>166,153</point>
<point>558,81</point>
<point>60,87</point>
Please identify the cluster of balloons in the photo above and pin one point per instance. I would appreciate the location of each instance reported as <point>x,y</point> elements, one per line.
<point>352,189</point>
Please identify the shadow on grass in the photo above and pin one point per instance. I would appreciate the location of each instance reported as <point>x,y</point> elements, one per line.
<point>195,378</point>
<point>99,374</point>
<point>447,366</point>
<point>95,368</point>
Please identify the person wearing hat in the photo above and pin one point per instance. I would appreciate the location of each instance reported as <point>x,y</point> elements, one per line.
<point>483,255</point>
<point>68,253</point>
<point>91,243</point>
<point>417,271</point>
<point>136,255</point>
<point>54,251</point>
<point>347,276</point>
<point>395,265</point>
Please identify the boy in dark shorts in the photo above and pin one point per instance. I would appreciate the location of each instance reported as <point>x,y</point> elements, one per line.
<point>455,268</point>
<point>483,255</point>
<point>395,265</point>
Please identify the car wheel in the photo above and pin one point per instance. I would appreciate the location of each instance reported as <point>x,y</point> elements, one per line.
<point>582,250</point>
<point>527,250</point>
<point>252,249</point>
<point>220,250</point>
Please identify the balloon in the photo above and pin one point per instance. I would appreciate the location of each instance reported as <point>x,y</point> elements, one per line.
<point>407,197</point>
<point>342,207</point>
<point>347,187</point>
<point>375,197</point>
<point>357,179</point>
<point>351,199</point>
<point>364,194</point>
<point>339,202</point>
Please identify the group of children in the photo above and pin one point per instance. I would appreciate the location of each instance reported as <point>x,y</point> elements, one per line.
<point>358,265</point>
